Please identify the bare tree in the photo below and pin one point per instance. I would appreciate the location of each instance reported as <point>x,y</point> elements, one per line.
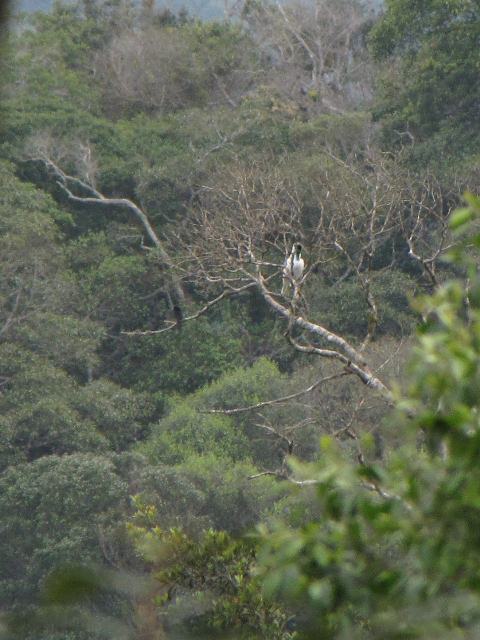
<point>156,69</point>
<point>316,50</point>
<point>424,224</point>
<point>240,233</point>
<point>151,70</point>
<point>239,239</point>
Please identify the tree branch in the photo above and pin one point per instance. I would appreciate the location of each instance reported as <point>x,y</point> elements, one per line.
<point>225,294</point>
<point>282,475</point>
<point>268,403</point>
<point>94,197</point>
<point>316,329</point>
<point>362,372</point>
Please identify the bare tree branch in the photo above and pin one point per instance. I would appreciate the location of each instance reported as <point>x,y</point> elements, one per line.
<point>287,398</point>
<point>211,303</point>
<point>361,371</point>
<point>283,476</point>
<point>311,327</point>
<point>66,183</point>
<point>370,486</point>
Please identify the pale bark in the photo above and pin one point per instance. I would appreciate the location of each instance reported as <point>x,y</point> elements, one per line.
<point>95,198</point>
<point>288,398</point>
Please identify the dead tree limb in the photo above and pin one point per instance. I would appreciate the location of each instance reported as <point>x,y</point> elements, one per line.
<point>288,398</point>
<point>79,192</point>
<point>211,303</point>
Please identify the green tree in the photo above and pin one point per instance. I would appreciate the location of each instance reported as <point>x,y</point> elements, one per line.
<point>205,586</point>
<point>429,88</point>
<point>55,511</point>
<point>207,492</point>
<point>169,363</point>
<point>120,415</point>
<point>196,425</point>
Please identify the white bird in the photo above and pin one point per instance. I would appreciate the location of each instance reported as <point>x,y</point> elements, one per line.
<point>293,268</point>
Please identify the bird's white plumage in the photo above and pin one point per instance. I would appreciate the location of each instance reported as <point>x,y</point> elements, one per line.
<point>293,268</point>
<point>298,265</point>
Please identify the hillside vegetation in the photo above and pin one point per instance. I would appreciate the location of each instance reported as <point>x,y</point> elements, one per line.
<point>194,444</point>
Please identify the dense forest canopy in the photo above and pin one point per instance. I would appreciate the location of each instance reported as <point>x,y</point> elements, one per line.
<point>196,439</point>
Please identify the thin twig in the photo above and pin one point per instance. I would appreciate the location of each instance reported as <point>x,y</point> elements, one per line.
<point>225,294</point>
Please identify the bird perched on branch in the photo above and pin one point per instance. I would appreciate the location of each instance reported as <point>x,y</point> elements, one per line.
<point>293,268</point>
